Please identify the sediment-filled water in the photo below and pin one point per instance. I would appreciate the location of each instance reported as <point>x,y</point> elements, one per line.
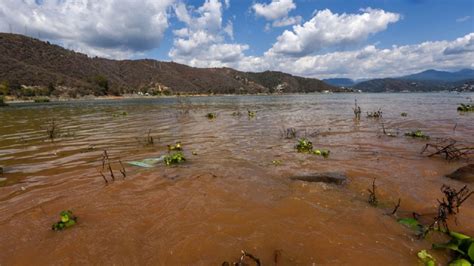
<point>229,196</point>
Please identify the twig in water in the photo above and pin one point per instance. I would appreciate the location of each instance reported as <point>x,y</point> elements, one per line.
<point>397,206</point>
<point>372,197</point>
<point>449,149</point>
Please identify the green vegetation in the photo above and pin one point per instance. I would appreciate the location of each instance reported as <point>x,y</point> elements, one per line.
<point>466,108</point>
<point>306,146</point>
<point>276,162</point>
<point>176,147</point>
<point>417,134</point>
<point>67,220</point>
<point>404,114</point>
<point>42,100</point>
<point>174,158</point>
<point>119,114</point>
<point>426,258</point>
<point>2,101</point>
<point>462,247</point>
<point>251,114</point>
<point>211,116</point>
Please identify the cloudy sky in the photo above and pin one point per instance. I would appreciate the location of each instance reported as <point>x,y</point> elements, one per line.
<point>313,38</point>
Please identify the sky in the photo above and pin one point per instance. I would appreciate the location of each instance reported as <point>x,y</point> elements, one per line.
<point>311,38</point>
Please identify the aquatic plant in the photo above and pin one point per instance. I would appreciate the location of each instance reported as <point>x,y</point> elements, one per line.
<point>462,247</point>
<point>357,110</point>
<point>304,145</point>
<point>372,196</point>
<point>107,165</point>
<point>149,139</point>
<point>276,162</point>
<point>211,116</point>
<point>417,134</point>
<point>176,147</point>
<point>237,113</point>
<point>465,107</point>
<point>52,130</point>
<point>174,158</point>
<point>288,133</point>
<point>67,220</point>
<point>376,114</point>
<point>251,114</point>
<point>119,114</point>
<point>449,149</point>
<point>404,114</point>
<point>426,258</point>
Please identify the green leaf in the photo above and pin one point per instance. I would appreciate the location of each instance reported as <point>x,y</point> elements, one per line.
<point>458,236</point>
<point>470,251</point>
<point>426,257</point>
<point>410,223</point>
<point>449,245</point>
<point>460,262</point>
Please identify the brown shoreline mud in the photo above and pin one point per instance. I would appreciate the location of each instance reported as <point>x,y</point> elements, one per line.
<point>228,195</point>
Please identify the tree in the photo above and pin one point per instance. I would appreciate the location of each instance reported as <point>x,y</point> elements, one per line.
<point>4,88</point>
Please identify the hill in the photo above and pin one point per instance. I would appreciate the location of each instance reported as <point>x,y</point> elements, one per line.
<point>435,75</point>
<point>401,85</point>
<point>47,68</point>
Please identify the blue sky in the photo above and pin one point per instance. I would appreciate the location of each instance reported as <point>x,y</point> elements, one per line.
<point>313,38</point>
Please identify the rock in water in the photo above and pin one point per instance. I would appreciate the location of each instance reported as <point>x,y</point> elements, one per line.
<point>332,178</point>
<point>464,174</point>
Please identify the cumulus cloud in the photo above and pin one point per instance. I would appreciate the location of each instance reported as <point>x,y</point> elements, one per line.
<point>275,10</point>
<point>287,21</point>
<point>111,28</point>
<point>327,29</point>
<point>371,62</point>
<point>202,42</point>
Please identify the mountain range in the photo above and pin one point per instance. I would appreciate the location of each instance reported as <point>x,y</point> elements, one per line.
<point>26,61</point>
<point>429,80</point>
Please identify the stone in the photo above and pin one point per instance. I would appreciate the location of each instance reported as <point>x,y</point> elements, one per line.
<point>330,178</point>
<point>463,174</point>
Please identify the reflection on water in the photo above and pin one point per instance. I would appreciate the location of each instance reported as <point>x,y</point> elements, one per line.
<point>229,196</point>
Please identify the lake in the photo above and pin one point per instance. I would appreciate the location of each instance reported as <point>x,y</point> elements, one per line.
<point>234,191</point>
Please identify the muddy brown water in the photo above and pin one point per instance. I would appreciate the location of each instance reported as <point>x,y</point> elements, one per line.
<point>229,197</point>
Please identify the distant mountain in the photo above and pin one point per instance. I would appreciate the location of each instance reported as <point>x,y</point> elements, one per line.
<point>340,82</point>
<point>31,62</point>
<point>401,85</point>
<point>435,75</point>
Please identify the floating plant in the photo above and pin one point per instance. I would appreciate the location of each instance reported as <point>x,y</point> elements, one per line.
<point>306,146</point>
<point>251,114</point>
<point>211,116</point>
<point>174,158</point>
<point>465,107</point>
<point>67,220</point>
<point>417,134</point>
<point>176,147</point>
<point>376,114</point>
<point>404,114</point>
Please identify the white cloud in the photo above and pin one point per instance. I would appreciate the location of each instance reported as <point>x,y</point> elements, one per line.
<point>463,19</point>
<point>111,28</point>
<point>202,42</point>
<point>275,10</point>
<point>287,21</point>
<point>371,62</point>
<point>326,29</point>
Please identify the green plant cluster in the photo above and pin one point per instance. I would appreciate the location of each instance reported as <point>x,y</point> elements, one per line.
<point>42,100</point>
<point>462,246</point>
<point>417,134</point>
<point>404,114</point>
<point>176,147</point>
<point>306,146</point>
<point>211,116</point>
<point>67,220</point>
<point>174,158</point>
<point>466,108</point>
<point>251,114</point>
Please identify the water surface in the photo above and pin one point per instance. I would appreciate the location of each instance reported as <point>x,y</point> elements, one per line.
<point>230,196</point>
